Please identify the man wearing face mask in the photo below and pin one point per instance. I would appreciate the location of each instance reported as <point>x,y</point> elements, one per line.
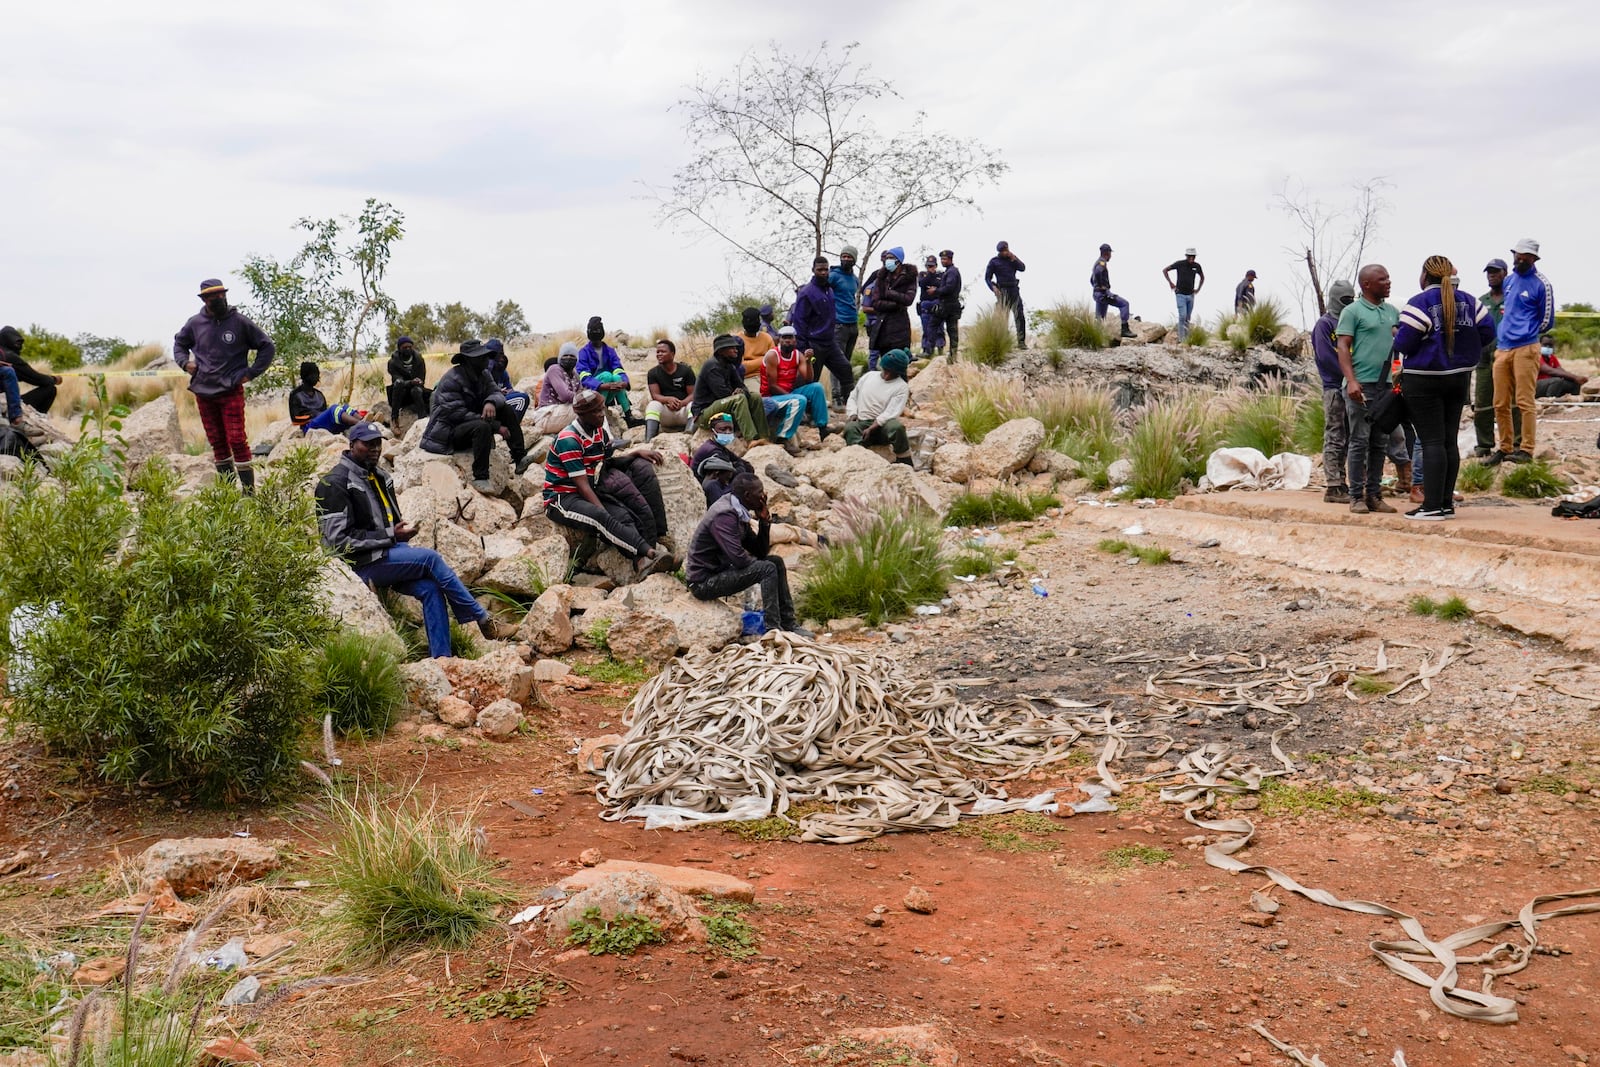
<point>1554,379</point>
<point>1529,310</point>
<point>814,316</point>
<point>500,373</point>
<point>1001,278</point>
<point>928,308</point>
<point>408,376</point>
<point>214,348</point>
<point>719,448</point>
<point>720,387</point>
<point>892,290</point>
<point>469,411</point>
<point>786,376</point>
<point>358,515</point>
<point>600,369</point>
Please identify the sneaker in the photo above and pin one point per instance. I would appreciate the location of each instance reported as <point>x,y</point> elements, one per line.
<point>658,563</point>
<point>1447,513</point>
<point>1520,456</point>
<point>1494,459</point>
<point>1336,494</point>
<point>484,486</point>
<point>1427,514</point>
<point>1359,507</point>
<point>1375,503</point>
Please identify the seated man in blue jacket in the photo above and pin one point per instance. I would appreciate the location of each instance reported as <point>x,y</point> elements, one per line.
<point>358,513</point>
<point>600,369</point>
<point>469,411</point>
<point>728,555</point>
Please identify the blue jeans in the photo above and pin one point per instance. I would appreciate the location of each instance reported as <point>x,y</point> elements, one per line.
<point>816,401</point>
<point>423,573</point>
<point>1185,309</point>
<point>783,414</point>
<point>8,379</point>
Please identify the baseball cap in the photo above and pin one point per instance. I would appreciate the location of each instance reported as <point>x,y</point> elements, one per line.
<point>214,285</point>
<point>1105,248</point>
<point>1497,264</point>
<point>1002,246</point>
<point>365,431</point>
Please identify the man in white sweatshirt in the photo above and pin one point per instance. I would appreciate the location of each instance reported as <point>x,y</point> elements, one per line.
<point>872,415</point>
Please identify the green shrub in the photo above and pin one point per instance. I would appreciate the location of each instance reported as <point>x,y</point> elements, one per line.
<point>991,337</point>
<point>976,509</point>
<point>885,561</point>
<point>53,350</point>
<point>1151,554</point>
<point>1310,422</point>
<point>1079,420</point>
<point>359,682</point>
<point>179,634</point>
<point>1075,326</point>
<point>406,874</point>
<point>1198,337</point>
<point>1266,418</point>
<point>1453,609</point>
<point>979,401</point>
<point>1263,321</point>
<point>621,936</point>
<point>1171,440</point>
<point>1532,481</point>
<point>973,561</point>
<point>1475,478</point>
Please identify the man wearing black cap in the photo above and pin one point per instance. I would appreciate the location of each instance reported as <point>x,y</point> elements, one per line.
<point>720,387</point>
<point>469,411</point>
<point>1100,283</point>
<point>214,348</point>
<point>1483,378</point>
<point>948,294</point>
<point>600,369</point>
<point>928,310</point>
<point>1244,294</point>
<point>358,513</point>
<point>408,377</point>
<point>1001,278</point>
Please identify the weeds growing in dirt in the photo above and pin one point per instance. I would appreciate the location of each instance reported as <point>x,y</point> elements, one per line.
<point>1075,326</point>
<point>1475,478</point>
<point>1370,684</point>
<point>976,509</point>
<point>1171,440</point>
<point>29,993</point>
<point>622,936</point>
<point>1079,420</point>
<point>1056,358</point>
<point>973,561</point>
<point>1003,833</point>
<point>598,632</point>
<point>1152,554</point>
<point>772,828</point>
<point>359,682</point>
<point>1533,481</point>
<point>477,1002</point>
<point>407,874</point>
<point>613,671</point>
<point>885,560</point>
<point>1554,784</point>
<point>1452,610</point>
<point>990,338</point>
<point>1280,797</point>
<point>727,929</point>
<point>1125,856</point>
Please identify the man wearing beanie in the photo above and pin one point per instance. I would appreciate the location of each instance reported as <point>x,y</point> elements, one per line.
<point>307,402</point>
<point>214,348</point>
<point>720,387</point>
<point>846,302</point>
<point>873,412</point>
<point>600,369</point>
<point>13,369</point>
<point>1001,278</point>
<point>408,377</point>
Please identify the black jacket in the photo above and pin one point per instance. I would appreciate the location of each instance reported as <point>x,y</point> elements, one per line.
<point>403,370</point>
<point>890,294</point>
<point>306,403</point>
<point>717,380</point>
<point>350,516</point>
<point>459,398</point>
<point>11,341</point>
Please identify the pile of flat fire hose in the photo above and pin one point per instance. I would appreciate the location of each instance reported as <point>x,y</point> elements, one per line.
<point>752,730</point>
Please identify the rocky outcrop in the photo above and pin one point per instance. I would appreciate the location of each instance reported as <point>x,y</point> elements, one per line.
<point>352,602</point>
<point>151,430</point>
<point>708,624</point>
<point>643,637</point>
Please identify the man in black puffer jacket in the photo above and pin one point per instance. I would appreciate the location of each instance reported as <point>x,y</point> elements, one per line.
<point>890,291</point>
<point>470,411</point>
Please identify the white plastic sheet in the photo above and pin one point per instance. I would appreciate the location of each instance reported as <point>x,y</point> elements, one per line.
<point>1247,468</point>
<point>668,817</point>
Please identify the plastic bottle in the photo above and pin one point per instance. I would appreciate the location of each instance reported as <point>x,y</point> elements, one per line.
<point>1039,589</point>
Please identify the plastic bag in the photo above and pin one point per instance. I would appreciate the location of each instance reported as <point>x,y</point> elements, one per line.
<point>669,817</point>
<point>1099,800</point>
<point>1247,468</point>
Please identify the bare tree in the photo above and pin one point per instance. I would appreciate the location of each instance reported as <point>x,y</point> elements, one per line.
<point>1331,239</point>
<point>786,161</point>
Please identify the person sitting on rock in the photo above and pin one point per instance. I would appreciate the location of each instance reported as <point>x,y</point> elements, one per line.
<point>14,369</point>
<point>571,468</point>
<point>468,411</point>
<point>600,369</point>
<point>310,410</point>
<point>787,374</point>
<point>728,556</point>
<point>358,515</point>
<point>757,341</point>
<point>720,447</point>
<point>629,478</point>
<point>720,387</point>
<point>556,390</point>
<point>408,376</point>
<point>499,371</point>
<point>1554,379</point>
<point>671,386</point>
<point>873,412</point>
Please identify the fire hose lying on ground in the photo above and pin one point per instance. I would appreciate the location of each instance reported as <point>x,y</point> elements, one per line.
<point>754,730</point>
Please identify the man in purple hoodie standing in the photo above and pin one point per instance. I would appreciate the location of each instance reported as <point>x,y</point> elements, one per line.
<point>214,347</point>
<point>813,317</point>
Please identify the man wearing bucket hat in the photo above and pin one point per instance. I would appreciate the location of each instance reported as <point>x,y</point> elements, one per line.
<point>469,411</point>
<point>1191,279</point>
<point>1529,310</point>
<point>873,412</point>
<point>214,348</point>
<point>358,515</point>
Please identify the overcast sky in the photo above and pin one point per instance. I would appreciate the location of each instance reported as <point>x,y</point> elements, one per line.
<point>149,145</point>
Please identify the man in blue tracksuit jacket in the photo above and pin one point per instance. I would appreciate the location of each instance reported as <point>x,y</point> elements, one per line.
<point>846,305</point>
<point>1528,311</point>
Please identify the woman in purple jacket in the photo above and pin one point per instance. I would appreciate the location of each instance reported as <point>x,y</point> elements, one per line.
<point>1441,335</point>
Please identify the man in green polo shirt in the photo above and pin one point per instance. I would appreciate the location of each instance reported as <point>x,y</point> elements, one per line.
<point>1365,336</point>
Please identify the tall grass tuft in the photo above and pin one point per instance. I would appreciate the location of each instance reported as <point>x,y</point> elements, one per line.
<point>359,682</point>
<point>990,338</point>
<point>976,509</point>
<point>1310,422</point>
<point>1533,481</point>
<point>407,875</point>
<point>1080,421</point>
<point>979,401</point>
<point>885,558</point>
<point>1475,478</point>
<point>1263,321</point>
<point>1266,418</point>
<point>1198,337</point>
<point>1075,326</point>
<point>1171,440</point>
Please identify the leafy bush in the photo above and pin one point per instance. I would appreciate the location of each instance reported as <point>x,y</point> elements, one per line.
<point>359,682</point>
<point>886,559</point>
<point>54,350</point>
<point>974,561</point>
<point>1475,478</point>
<point>1533,481</point>
<point>176,636</point>
<point>1265,419</point>
<point>621,936</point>
<point>1075,326</point>
<point>976,509</point>
<point>1152,554</point>
<point>407,874</point>
<point>725,315</point>
<point>991,337</point>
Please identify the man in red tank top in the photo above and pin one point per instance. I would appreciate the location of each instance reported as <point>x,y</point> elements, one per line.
<point>786,372</point>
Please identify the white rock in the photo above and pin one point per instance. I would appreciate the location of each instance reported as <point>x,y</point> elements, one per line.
<point>952,461</point>
<point>426,684</point>
<point>829,471</point>
<point>462,549</point>
<point>536,567</point>
<point>352,602</point>
<point>708,624</point>
<point>1007,448</point>
<point>548,626</point>
<point>151,430</point>
<point>501,720</point>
